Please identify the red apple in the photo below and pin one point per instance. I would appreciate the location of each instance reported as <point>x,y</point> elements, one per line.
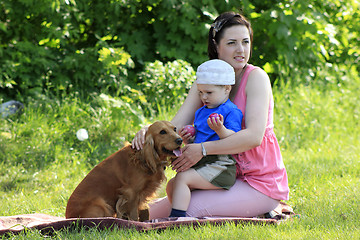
<point>190,129</point>
<point>214,115</point>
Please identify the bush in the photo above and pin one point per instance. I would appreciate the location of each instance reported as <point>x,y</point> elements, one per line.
<point>67,46</point>
<point>166,84</point>
<point>159,85</point>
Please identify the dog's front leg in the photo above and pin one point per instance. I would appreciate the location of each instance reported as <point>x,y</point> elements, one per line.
<point>134,213</point>
<point>134,209</point>
<point>121,207</point>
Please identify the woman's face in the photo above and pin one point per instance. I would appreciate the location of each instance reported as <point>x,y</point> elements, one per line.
<point>234,47</point>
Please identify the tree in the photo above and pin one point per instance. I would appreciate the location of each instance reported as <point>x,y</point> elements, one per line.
<point>87,45</point>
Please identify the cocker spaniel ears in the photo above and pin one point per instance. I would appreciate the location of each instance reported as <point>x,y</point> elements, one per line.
<point>149,154</point>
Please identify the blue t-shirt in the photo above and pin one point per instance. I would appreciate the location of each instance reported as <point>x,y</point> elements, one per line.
<point>232,120</point>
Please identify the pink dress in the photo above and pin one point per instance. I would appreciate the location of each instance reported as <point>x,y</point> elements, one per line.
<point>262,167</point>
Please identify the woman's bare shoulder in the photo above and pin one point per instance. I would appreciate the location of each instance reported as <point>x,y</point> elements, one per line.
<point>258,73</point>
<point>258,78</point>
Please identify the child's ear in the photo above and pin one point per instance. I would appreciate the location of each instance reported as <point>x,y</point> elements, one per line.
<point>227,88</point>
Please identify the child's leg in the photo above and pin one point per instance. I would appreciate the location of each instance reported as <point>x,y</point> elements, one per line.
<point>169,189</point>
<point>182,185</point>
<point>170,185</point>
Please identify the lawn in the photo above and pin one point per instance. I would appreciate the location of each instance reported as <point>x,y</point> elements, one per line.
<point>42,161</point>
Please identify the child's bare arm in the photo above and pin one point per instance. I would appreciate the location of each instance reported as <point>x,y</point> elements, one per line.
<point>186,136</point>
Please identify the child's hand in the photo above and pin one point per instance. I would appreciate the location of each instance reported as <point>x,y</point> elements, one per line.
<point>216,123</point>
<point>186,135</point>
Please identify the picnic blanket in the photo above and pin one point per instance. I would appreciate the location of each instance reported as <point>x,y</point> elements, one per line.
<point>47,224</point>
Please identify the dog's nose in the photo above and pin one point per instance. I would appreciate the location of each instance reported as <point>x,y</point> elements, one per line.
<point>178,141</point>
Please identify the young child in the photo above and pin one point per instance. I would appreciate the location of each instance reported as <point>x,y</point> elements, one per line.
<point>214,79</point>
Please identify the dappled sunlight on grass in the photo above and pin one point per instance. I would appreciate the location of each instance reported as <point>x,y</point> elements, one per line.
<point>42,162</point>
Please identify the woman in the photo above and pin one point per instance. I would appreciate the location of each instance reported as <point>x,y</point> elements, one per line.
<point>261,176</point>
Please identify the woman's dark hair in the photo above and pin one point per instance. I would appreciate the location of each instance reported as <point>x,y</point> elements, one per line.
<point>222,22</point>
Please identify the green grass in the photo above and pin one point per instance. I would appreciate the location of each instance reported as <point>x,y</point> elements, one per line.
<point>41,162</point>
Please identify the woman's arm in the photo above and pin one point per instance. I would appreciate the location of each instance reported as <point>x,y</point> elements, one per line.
<point>186,113</point>
<point>258,90</point>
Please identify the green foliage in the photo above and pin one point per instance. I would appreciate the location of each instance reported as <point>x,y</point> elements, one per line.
<point>54,46</point>
<point>159,85</point>
<point>164,84</point>
<point>125,107</point>
<point>100,46</point>
<point>305,41</point>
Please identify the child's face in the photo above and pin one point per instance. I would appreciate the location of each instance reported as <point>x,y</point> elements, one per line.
<point>212,95</point>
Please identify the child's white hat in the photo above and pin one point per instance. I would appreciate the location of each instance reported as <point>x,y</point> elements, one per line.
<point>216,72</point>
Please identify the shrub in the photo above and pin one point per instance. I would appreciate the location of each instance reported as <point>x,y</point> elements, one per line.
<point>166,83</point>
<point>60,45</point>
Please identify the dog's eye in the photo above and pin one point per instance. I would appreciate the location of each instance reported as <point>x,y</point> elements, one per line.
<point>174,129</point>
<point>162,132</point>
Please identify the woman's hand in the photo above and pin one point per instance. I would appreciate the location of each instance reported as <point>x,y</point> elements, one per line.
<point>139,139</point>
<point>191,154</point>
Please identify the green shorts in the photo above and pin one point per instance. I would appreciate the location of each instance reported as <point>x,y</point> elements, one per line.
<point>219,170</point>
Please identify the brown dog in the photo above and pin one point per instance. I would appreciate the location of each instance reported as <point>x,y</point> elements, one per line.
<point>120,185</point>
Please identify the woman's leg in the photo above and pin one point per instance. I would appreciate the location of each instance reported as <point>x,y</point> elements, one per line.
<point>239,201</point>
